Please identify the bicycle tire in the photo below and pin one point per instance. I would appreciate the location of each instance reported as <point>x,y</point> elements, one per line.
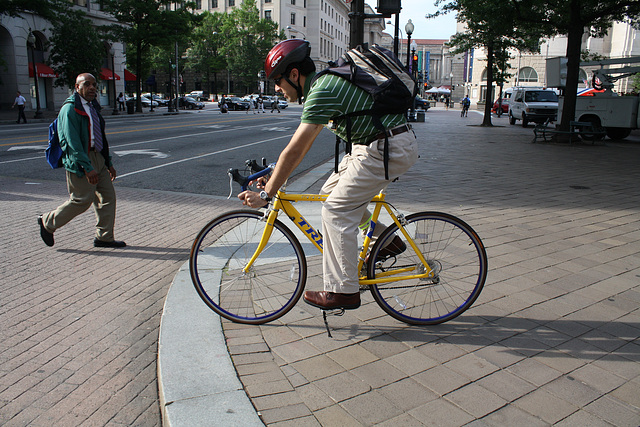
<point>269,289</point>
<point>456,253</point>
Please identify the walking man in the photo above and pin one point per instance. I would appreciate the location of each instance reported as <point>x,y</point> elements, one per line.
<point>274,104</point>
<point>20,102</point>
<point>88,166</point>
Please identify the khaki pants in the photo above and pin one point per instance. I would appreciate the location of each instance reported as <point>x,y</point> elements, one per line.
<point>360,177</point>
<point>82,194</point>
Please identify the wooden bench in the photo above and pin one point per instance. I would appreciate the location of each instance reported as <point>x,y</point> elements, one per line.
<point>577,131</point>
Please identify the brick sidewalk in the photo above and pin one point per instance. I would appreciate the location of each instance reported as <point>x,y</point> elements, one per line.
<point>553,337</point>
<point>80,324</point>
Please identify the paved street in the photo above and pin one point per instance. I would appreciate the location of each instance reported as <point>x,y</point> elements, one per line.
<point>552,339</point>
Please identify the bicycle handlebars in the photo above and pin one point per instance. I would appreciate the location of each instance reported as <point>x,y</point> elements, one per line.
<point>258,171</point>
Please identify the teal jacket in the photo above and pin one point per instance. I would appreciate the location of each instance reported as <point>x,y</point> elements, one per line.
<point>73,130</point>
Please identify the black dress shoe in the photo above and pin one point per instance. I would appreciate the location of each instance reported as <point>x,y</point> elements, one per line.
<point>105,244</point>
<point>330,300</point>
<point>46,236</point>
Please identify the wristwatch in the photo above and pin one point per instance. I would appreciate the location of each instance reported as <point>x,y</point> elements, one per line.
<point>265,196</point>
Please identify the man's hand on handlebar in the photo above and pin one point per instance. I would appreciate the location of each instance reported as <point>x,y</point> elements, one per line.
<point>252,199</point>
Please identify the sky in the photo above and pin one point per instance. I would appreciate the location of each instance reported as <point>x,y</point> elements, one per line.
<point>439,28</point>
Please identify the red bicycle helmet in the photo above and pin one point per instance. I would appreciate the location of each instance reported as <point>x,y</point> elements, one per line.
<point>283,54</point>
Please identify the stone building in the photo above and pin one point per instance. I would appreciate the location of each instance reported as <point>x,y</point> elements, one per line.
<point>19,56</point>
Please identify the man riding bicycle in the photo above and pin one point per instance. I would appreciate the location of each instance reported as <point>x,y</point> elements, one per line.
<point>360,175</point>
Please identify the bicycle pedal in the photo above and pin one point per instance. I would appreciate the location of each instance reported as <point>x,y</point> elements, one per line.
<point>334,312</point>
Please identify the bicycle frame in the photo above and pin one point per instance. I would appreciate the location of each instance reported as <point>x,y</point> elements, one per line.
<point>284,202</point>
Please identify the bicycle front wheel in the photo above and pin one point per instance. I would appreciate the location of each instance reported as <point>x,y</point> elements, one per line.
<point>452,250</point>
<point>262,293</point>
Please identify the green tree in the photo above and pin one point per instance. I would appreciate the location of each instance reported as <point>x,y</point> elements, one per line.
<point>485,22</point>
<point>573,18</point>
<point>248,41</point>
<point>205,52</point>
<point>76,47</point>
<point>49,9</point>
<point>147,23</point>
<point>46,8</point>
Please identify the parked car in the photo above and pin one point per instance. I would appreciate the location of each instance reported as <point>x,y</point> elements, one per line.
<point>505,106</point>
<point>236,104</point>
<point>157,98</point>
<point>146,102</point>
<point>422,103</point>
<point>533,105</point>
<point>190,103</point>
<point>199,95</point>
<point>282,103</point>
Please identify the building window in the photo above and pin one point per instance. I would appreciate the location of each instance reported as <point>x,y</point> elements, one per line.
<point>527,74</point>
<point>293,2</point>
<point>232,2</point>
<point>267,15</point>
<point>267,1</point>
<point>293,18</point>
<point>304,21</point>
<point>214,3</point>
<point>198,4</point>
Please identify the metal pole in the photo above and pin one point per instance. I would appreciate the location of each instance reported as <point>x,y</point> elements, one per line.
<point>38,114</point>
<point>356,16</point>
<point>396,41</point>
<point>409,52</point>
<point>177,81</point>
<point>113,73</point>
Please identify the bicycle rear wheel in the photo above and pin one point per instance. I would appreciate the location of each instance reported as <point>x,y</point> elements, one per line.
<point>269,289</point>
<point>455,253</point>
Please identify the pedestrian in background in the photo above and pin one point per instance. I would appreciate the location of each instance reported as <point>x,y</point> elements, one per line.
<point>252,106</point>
<point>274,104</point>
<point>88,166</point>
<point>121,100</point>
<point>20,102</point>
<point>260,104</point>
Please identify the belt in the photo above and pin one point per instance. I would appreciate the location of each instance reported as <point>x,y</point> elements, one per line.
<point>391,132</point>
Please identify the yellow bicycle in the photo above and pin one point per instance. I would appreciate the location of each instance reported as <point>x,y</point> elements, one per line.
<point>249,267</point>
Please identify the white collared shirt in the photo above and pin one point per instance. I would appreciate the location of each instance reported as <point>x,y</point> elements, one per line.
<point>87,109</point>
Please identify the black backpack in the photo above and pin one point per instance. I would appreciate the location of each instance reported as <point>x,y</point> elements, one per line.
<point>379,72</point>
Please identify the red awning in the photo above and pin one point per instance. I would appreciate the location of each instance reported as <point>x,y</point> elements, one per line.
<point>43,70</point>
<point>129,76</point>
<point>107,74</point>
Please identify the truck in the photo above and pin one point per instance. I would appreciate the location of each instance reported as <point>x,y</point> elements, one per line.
<point>605,109</point>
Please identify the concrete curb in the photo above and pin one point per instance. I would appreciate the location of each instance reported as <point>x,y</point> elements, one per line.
<point>197,380</point>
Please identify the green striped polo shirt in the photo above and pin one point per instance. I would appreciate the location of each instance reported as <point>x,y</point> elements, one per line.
<point>332,96</point>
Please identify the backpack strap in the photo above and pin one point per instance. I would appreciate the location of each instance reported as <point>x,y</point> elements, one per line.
<point>377,123</point>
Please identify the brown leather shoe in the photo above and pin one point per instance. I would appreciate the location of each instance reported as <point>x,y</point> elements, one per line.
<point>330,300</point>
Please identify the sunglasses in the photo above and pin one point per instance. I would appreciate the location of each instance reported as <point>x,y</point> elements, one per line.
<point>278,80</point>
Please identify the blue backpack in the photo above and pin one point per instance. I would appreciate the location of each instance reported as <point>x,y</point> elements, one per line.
<point>53,153</point>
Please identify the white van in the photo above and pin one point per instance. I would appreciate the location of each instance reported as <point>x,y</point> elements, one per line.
<point>531,104</point>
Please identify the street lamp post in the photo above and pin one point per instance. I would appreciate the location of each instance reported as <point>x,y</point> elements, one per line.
<point>396,41</point>
<point>31,40</point>
<point>408,29</point>
<point>112,52</point>
<point>288,27</point>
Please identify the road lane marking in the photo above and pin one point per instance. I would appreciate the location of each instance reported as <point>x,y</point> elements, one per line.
<point>153,153</point>
<point>140,130</point>
<point>204,155</point>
